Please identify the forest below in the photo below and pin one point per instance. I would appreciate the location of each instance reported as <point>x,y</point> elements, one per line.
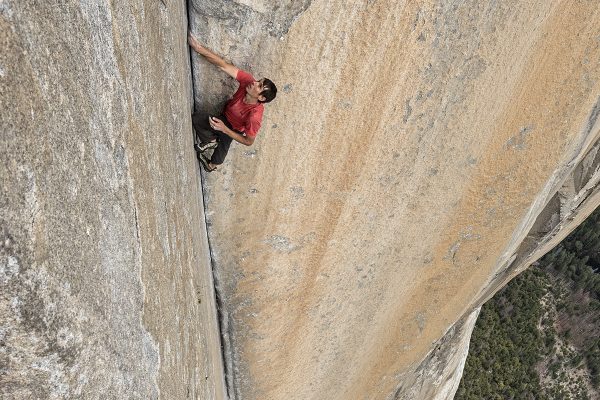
<point>539,337</point>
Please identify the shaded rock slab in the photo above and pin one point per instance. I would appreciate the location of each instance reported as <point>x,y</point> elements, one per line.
<point>105,283</point>
<point>438,375</point>
<point>417,157</point>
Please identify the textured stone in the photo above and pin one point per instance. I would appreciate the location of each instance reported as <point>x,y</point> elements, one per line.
<point>105,284</point>
<point>438,375</point>
<point>418,155</point>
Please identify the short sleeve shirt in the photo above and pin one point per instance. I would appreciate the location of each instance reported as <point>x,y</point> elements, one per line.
<point>243,117</point>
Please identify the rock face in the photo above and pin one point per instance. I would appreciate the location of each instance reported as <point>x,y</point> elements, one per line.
<point>105,283</point>
<point>419,155</point>
<point>438,375</point>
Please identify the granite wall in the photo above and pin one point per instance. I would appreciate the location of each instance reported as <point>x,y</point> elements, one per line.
<point>418,156</point>
<point>105,283</point>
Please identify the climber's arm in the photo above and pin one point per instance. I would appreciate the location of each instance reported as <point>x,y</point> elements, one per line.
<point>219,125</point>
<point>213,58</point>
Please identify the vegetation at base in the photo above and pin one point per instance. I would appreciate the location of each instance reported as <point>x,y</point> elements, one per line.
<point>506,344</point>
<point>539,337</point>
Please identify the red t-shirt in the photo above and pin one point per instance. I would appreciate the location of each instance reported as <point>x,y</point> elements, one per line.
<point>244,117</point>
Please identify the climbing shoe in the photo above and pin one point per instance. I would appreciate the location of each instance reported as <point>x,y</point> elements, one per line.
<point>202,147</point>
<point>205,163</point>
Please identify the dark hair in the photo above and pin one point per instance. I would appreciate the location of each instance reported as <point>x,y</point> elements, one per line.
<point>269,92</point>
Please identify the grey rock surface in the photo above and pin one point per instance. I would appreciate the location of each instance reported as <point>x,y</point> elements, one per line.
<point>105,283</point>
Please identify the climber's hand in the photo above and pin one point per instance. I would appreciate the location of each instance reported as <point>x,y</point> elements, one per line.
<point>192,40</point>
<point>217,124</point>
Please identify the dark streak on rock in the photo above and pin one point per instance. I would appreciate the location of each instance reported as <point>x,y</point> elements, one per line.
<point>593,116</point>
<point>407,111</point>
<point>137,225</point>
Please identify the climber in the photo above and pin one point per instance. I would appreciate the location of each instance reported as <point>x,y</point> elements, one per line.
<point>241,117</point>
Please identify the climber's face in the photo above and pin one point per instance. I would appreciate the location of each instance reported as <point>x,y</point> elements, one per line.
<point>255,89</point>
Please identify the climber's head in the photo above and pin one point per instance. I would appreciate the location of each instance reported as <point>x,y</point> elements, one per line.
<point>263,90</point>
<point>269,91</point>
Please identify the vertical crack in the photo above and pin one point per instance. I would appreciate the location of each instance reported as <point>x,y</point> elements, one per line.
<point>222,317</point>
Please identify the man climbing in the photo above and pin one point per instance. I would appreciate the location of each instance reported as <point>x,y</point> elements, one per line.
<point>241,117</point>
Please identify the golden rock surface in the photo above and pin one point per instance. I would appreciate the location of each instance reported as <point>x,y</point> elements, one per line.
<point>396,182</point>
